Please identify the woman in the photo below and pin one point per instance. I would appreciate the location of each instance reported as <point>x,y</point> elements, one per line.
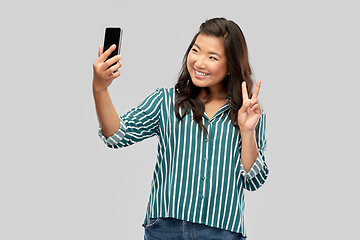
<point>211,132</point>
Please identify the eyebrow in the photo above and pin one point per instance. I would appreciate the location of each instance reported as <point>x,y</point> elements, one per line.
<point>215,53</point>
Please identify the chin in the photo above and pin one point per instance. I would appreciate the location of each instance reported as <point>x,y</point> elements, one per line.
<point>198,83</point>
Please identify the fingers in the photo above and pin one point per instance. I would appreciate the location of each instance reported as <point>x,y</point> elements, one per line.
<point>246,105</point>
<point>113,69</point>
<point>104,55</point>
<point>112,61</point>
<point>250,110</point>
<point>245,92</point>
<point>257,89</point>
<point>102,63</point>
<point>245,95</point>
<point>250,105</point>
<point>114,75</point>
<point>104,68</point>
<point>255,108</point>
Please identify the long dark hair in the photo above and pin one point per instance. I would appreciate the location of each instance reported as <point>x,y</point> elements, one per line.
<point>238,66</point>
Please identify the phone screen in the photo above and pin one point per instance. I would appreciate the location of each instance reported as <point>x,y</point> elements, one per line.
<point>113,36</point>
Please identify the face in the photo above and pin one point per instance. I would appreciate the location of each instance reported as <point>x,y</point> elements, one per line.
<point>206,62</point>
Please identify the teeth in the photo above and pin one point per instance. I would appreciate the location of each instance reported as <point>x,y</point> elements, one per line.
<point>200,73</point>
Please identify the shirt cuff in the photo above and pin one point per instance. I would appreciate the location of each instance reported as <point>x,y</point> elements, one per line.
<point>258,166</point>
<point>116,138</point>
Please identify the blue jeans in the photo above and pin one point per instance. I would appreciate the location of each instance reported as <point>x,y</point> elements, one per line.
<point>175,229</point>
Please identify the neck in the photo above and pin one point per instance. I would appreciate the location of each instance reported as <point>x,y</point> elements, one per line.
<point>214,94</point>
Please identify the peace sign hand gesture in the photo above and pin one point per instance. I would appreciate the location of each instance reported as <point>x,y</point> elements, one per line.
<point>249,113</point>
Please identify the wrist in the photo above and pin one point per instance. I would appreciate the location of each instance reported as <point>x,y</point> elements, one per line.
<point>98,90</point>
<point>247,133</point>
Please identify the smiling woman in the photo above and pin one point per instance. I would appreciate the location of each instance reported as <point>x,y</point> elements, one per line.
<point>219,49</point>
<point>211,133</point>
<point>207,64</point>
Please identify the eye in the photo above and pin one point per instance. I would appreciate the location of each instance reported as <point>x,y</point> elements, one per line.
<point>213,58</point>
<point>194,50</point>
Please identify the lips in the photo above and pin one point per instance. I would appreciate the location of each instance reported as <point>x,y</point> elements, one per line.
<point>200,74</point>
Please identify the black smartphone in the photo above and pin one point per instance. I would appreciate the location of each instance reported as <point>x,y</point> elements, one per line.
<point>113,35</point>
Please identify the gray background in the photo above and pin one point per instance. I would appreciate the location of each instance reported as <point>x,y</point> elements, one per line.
<point>59,181</point>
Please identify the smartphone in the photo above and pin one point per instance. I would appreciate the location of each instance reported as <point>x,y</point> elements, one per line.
<point>113,35</point>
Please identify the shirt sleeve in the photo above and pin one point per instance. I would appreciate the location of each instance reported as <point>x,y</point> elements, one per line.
<point>138,124</point>
<point>259,171</point>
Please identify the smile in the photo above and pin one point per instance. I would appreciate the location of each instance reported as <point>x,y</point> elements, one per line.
<point>200,73</point>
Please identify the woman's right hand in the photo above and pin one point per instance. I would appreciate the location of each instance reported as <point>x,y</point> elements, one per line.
<point>103,75</point>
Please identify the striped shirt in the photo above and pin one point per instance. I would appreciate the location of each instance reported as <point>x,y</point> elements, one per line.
<point>198,178</point>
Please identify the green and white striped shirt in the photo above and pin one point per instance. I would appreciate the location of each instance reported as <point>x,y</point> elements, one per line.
<point>197,178</point>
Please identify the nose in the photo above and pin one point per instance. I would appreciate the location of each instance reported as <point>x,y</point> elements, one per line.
<point>200,62</point>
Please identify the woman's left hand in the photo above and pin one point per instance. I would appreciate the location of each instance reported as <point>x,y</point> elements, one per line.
<point>250,112</point>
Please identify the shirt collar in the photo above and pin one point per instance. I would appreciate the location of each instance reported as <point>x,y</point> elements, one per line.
<point>223,109</point>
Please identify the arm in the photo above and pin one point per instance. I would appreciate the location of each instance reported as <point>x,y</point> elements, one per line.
<point>248,117</point>
<point>252,124</point>
<point>138,124</point>
<point>103,76</point>
<point>108,118</point>
<point>256,176</point>
<point>249,149</point>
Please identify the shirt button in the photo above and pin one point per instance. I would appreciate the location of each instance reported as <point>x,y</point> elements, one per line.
<point>203,178</point>
<point>202,197</point>
<point>205,159</point>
